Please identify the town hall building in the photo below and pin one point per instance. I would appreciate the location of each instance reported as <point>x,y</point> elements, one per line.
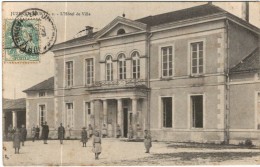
<point>186,75</point>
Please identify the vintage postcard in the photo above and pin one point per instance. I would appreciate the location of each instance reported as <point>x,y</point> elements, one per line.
<point>130,83</point>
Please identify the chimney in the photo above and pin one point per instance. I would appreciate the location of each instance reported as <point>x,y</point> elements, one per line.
<point>89,30</point>
<point>245,11</point>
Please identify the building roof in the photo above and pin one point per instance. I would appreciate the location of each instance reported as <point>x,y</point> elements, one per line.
<point>250,63</point>
<point>14,104</point>
<point>47,84</point>
<point>75,41</point>
<point>160,19</point>
<point>184,14</point>
<point>189,13</point>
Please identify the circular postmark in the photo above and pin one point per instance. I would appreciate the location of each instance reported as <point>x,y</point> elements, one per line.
<point>33,31</point>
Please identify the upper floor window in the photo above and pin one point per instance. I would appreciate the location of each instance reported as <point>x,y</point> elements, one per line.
<point>121,66</point>
<point>109,68</point>
<point>166,53</point>
<point>197,58</point>
<point>42,94</point>
<point>89,71</point>
<point>136,65</point>
<point>120,31</point>
<point>69,73</point>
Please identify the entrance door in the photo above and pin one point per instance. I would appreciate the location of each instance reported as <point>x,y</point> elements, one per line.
<point>125,121</point>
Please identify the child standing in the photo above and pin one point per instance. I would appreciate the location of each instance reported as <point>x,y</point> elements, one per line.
<point>96,145</point>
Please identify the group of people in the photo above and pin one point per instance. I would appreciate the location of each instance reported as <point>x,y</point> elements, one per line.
<point>84,138</point>
<point>19,136</point>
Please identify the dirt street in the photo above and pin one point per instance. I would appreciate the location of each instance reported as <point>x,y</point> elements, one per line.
<point>117,152</point>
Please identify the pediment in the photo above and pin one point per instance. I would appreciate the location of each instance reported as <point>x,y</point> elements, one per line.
<point>121,26</point>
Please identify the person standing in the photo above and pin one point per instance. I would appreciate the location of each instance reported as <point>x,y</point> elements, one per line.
<point>17,141</point>
<point>90,130</point>
<point>23,134</point>
<point>118,131</point>
<point>96,145</point>
<point>9,132</point>
<point>33,131</point>
<point>68,136</point>
<point>147,141</point>
<point>130,133</point>
<point>61,133</point>
<point>45,132</point>
<point>37,133</point>
<point>84,136</point>
<point>104,131</point>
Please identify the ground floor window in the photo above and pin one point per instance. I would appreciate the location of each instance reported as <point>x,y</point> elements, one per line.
<point>87,113</point>
<point>258,110</point>
<point>42,113</point>
<point>167,111</point>
<point>69,114</point>
<point>197,111</point>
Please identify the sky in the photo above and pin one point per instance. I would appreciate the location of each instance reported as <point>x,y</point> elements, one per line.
<point>18,77</point>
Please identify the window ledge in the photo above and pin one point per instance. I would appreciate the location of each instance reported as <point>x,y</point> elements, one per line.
<point>68,88</point>
<point>196,129</point>
<point>197,75</point>
<point>166,78</point>
<point>167,128</point>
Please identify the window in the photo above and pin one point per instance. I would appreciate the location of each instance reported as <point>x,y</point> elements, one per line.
<point>258,111</point>
<point>69,113</point>
<point>109,68</point>
<point>166,53</point>
<point>120,31</point>
<point>122,66</point>
<point>87,113</point>
<point>42,114</point>
<point>69,74</point>
<point>41,94</point>
<point>136,65</point>
<point>167,112</point>
<point>88,108</point>
<point>197,111</point>
<point>89,71</point>
<point>197,58</point>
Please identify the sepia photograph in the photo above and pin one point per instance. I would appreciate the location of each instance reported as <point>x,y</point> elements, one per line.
<point>141,83</point>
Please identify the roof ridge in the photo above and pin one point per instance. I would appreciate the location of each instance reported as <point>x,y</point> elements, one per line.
<point>193,7</point>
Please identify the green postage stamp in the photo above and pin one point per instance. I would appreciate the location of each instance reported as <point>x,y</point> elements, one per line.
<point>29,31</point>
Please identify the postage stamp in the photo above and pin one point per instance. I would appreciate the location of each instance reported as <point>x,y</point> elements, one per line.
<point>31,34</point>
<point>13,54</point>
<point>34,36</point>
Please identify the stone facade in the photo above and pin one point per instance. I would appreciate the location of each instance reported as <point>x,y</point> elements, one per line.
<point>174,98</point>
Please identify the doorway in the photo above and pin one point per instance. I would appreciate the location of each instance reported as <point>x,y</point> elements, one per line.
<point>125,121</point>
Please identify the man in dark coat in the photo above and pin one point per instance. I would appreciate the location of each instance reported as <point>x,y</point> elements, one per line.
<point>84,136</point>
<point>45,132</point>
<point>23,134</point>
<point>61,133</point>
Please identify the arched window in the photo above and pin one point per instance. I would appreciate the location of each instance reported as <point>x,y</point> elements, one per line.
<point>120,31</point>
<point>135,65</point>
<point>109,68</point>
<point>121,66</point>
